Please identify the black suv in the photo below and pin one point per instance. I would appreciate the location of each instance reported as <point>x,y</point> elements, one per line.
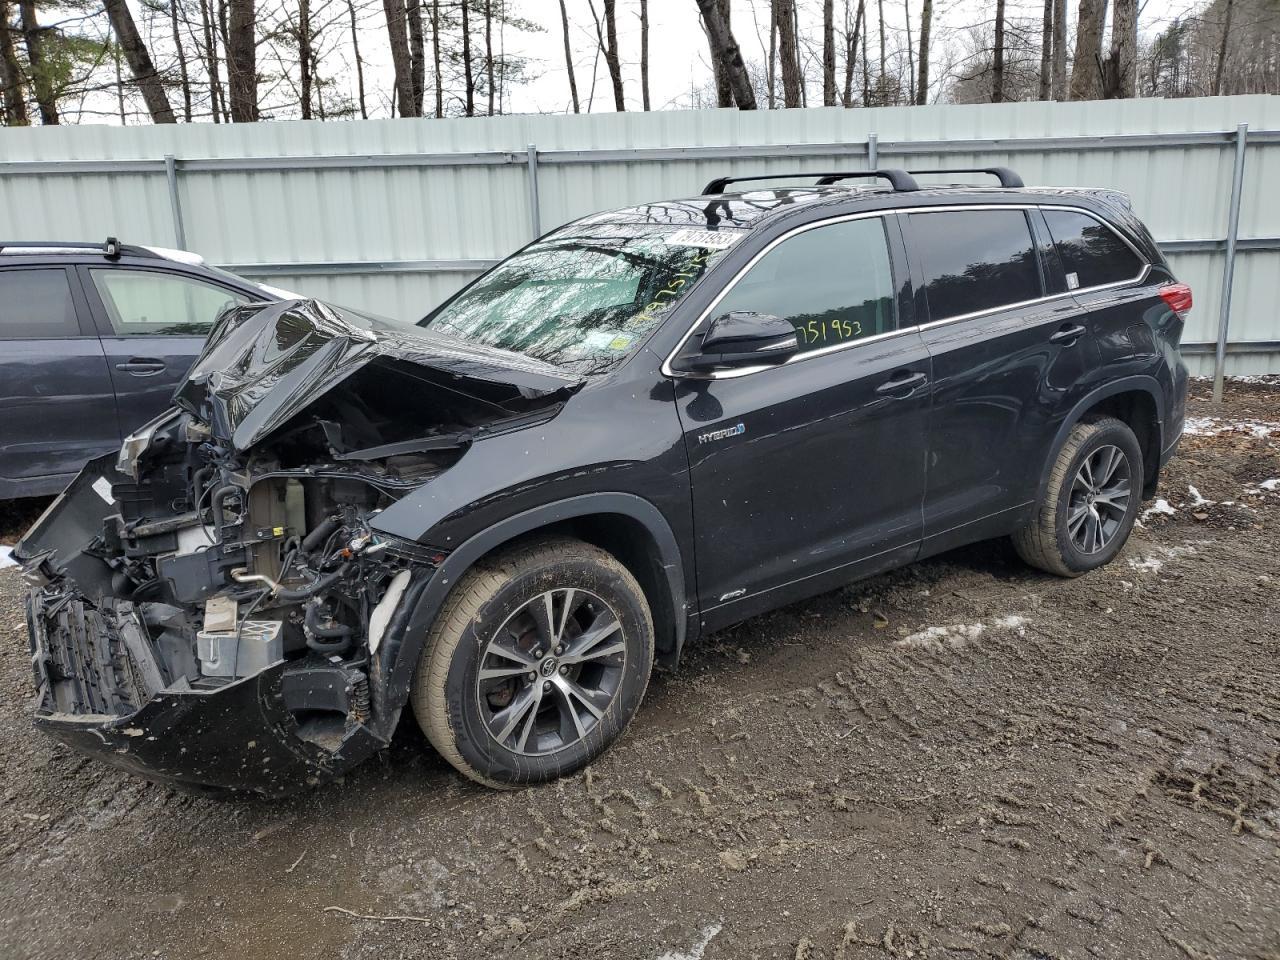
<point>645,426</point>
<point>93,339</point>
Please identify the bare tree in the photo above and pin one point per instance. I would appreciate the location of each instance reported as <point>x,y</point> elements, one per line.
<point>401,59</point>
<point>644,53</point>
<point>1085,81</point>
<point>724,48</point>
<point>1120,72</point>
<point>468,76</point>
<point>417,54</point>
<point>41,70</point>
<point>1059,90</point>
<point>242,67</point>
<point>922,80</point>
<point>355,49</point>
<point>15,94</point>
<point>568,57</point>
<point>773,54</point>
<point>1222,51</point>
<point>611,58</point>
<point>488,50</point>
<point>217,105</point>
<point>997,57</point>
<point>828,53</point>
<point>435,56</point>
<point>1046,53</point>
<point>183,72</point>
<point>724,92</point>
<point>785,10</point>
<point>139,60</point>
<point>305,75</point>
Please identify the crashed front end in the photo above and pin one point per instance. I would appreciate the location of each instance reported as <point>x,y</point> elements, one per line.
<point>213,607</point>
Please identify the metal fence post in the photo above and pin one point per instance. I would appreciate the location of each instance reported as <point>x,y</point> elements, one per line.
<point>1228,271</point>
<point>535,214</point>
<point>873,150</point>
<point>175,204</point>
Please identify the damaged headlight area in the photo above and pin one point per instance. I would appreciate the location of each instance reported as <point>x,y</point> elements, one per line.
<point>209,612</point>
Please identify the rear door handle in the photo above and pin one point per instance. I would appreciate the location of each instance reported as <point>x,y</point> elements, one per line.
<point>142,366</point>
<point>903,382</point>
<point>1068,335</point>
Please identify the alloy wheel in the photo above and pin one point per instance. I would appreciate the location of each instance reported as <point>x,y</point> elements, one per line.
<point>1099,499</point>
<point>550,672</point>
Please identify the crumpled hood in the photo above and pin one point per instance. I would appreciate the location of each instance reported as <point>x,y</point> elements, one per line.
<point>264,362</point>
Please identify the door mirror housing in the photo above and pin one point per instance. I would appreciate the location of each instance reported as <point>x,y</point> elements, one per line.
<point>743,338</point>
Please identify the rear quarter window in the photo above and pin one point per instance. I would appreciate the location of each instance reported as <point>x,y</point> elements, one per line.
<point>36,305</point>
<point>975,260</point>
<point>1092,254</point>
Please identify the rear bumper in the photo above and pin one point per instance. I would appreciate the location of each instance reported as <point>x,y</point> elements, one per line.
<point>98,694</point>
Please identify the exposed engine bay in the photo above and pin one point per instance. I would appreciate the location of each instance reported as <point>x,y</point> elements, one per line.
<point>221,575</point>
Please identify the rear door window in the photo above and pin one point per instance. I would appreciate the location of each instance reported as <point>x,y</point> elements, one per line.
<point>36,305</point>
<point>832,283</point>
<point>975,260</point>
<point>146,303</point>
<point>1092,254</point>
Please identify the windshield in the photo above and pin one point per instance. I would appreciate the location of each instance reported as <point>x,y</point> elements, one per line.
<point>585,296</point>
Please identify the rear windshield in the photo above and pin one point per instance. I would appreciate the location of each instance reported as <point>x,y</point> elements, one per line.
<point>584,297</point>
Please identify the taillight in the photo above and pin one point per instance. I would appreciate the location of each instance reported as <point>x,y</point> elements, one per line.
<point>1178,297</point>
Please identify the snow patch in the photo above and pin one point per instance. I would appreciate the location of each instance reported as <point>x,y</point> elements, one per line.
<point>695,952</point>
<point>1221,426</point>
<point>1196,499</point>
<point>6,557</point>
<point>1161,507</point>
<point>958,635</point>
<point>1151,561</point>
<point>1270,485</point>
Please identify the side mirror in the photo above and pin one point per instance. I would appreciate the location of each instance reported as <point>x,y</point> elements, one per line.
<point>744,339</point>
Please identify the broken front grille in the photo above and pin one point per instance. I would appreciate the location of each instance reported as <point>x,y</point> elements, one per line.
<point>82,665</point>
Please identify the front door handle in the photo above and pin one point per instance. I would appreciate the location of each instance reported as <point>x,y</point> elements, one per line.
<point>1068,335</point>
<point>903,382</point>
<point>142,366</point>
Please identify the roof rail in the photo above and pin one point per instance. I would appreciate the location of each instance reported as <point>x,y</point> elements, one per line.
<point>112,248</point>
<point>1007,177</point>
<point>900,180</point>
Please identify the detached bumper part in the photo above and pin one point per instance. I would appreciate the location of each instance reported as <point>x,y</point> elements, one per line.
<point>101,692</point>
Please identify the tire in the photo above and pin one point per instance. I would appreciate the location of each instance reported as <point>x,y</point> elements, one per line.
<point>496,619</point>
<point>1052,540</point>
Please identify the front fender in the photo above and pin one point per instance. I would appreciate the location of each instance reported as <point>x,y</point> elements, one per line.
<point>397,657</point>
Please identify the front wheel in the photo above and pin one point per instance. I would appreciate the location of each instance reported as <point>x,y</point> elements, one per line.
<point>536,664</point>
<point>1090,504</point>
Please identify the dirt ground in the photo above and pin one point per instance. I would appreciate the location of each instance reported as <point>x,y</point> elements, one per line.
<point>959,759</point>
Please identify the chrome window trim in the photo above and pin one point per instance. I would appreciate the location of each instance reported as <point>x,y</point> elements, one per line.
<point>669,371</point>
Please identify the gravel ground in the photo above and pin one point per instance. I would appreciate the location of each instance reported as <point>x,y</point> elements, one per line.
<point>959,759</point>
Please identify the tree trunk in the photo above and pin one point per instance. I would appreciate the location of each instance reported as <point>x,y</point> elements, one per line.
<point>911,63</point>
<point>469,78</point>
<point>724,49</point>
<point>997,57</point>
<point>851,51</point>
<point>182,61</point>
<point>1059,49</point>
<point>644,55</point>
<point>1045,88</point>
<point>304,55</point>
<point>401,60</point>
<point>724,92</point>
<point>488,49</point>
<point>41,77</point>
<point>611,53</point>
<point>15,94</point>
<point>926,27</point>
<point>139,60</point>
<point>1122,65</point>
<point>355,47</point>
<point>1085,82</point>
<point>568,58</point>
<point>784,10</point>
<point>828,53</point>
<point>242,67</point>
<point>773,54</point>
<point>1222,51</point>
<point>417,54</point>
<point>435,55</point>
<point>882,98</point>
<point>211,60</point>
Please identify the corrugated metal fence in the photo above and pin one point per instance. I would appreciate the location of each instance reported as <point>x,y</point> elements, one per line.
<point>393,215</point>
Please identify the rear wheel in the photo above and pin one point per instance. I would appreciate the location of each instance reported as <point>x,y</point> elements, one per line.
<point>536,664</point>
<point>1091,502</point>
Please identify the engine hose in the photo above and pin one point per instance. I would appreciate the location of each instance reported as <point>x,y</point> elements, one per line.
<point>320,534</point>
<point>314,587</point>
<point>215,504</point>
<point>322,639</point>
